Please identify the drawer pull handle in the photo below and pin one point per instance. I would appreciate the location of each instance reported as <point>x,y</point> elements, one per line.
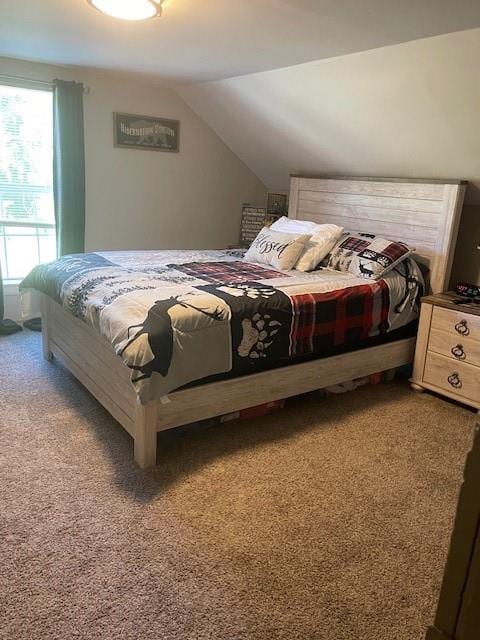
<point>454,380</point>
<point>458,352</point>
<point>462,328</point>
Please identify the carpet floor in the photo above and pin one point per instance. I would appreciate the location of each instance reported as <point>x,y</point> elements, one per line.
<point>329,520</point>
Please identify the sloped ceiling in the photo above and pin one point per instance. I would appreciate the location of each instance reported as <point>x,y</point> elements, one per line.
<point>410,110</point>
<point>201,40</point>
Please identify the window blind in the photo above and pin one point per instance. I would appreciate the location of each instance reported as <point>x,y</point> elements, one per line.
<point>26,156</point>
<point>27,218</point>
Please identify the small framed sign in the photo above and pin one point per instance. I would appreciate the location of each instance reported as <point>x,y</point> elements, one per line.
<point>277,204</point>
<point>145,132</point>
<point>253,220</point>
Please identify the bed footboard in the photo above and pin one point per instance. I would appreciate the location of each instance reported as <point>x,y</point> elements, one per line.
<point>94,363</point>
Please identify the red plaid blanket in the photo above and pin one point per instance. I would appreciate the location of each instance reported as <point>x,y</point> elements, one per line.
<point>341,317</point>
<point>226,272</point>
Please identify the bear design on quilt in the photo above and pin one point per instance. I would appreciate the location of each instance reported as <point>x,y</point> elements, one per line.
<point>261,318</point>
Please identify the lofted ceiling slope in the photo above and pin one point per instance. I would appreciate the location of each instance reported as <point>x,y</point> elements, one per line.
<point>409,110</point>
<point>212,39</point>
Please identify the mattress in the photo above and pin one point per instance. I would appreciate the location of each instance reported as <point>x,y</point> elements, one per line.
<point>180,317</point>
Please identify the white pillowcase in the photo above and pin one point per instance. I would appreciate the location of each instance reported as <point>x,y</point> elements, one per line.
<point>322,241</point>
<point>280,250</point>
<point>290,225</point>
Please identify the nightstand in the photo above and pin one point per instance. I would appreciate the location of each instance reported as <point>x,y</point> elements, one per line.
<point>447,355</point>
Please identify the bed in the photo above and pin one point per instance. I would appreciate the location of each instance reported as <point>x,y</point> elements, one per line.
<point>211,294</point>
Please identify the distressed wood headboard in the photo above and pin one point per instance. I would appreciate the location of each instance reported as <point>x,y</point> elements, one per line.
<point>423,213</point>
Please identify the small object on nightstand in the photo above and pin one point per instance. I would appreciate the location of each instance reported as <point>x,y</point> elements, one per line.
<point>447,356</point>
<point>467,289</point>
<point>460,301</point>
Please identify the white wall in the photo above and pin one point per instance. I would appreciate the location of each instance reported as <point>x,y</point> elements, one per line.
<point>146,199</point>
<point>409,110</point>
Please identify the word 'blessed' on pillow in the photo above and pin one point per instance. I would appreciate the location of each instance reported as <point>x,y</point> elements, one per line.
<point>366,255</point>
<point>280,250</point>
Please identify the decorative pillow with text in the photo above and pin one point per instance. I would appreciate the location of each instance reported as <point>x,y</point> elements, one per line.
<point>280,250</point>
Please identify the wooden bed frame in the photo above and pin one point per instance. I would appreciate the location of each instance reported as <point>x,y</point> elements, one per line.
<point>422,213</point>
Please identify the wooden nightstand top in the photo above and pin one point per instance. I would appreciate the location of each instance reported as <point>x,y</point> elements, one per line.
<point>446,300</point>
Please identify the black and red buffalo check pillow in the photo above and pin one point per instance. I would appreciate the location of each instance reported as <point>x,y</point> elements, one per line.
<point>366,256</point>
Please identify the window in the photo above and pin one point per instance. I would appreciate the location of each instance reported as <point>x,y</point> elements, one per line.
<point>27,220</point>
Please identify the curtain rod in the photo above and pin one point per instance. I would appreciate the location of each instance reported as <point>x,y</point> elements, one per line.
<point>13,79</point>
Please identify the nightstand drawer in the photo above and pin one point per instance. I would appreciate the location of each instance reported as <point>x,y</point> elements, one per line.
<point>456,323</point>
<point>458,378</point>
<point>455,347</point>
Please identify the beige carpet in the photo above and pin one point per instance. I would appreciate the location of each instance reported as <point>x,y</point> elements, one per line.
<point>329,520</point>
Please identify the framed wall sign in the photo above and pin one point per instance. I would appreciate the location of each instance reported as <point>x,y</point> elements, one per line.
<point>145,132</point>
<point>277,204</point>
<point>253,220</point>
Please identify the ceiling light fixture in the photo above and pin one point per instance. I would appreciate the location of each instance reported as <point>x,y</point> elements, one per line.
<point>129,9</point>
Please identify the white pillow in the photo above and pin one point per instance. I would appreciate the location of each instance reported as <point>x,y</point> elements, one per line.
<point>322,241</point>
<point>280,250</point>
<point>290,225</point>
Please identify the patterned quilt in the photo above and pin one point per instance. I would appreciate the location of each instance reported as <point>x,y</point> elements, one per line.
<point>176,317</point>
